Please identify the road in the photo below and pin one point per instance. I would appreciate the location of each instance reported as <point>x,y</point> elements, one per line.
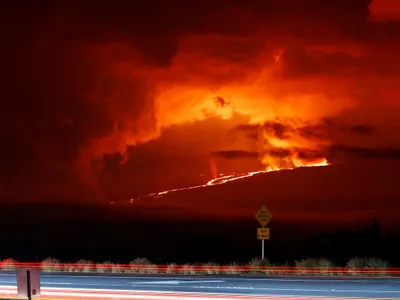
<point>249,287</point>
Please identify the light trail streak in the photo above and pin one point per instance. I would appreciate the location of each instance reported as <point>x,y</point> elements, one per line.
<point>77,293</point>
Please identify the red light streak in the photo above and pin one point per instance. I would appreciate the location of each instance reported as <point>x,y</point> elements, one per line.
<point>72,293</point>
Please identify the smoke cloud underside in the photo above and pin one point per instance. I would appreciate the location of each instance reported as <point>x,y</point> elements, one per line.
<point>83,79</point>
<point>334,153</point>
<point>326,129</point>
<point>323,139</point>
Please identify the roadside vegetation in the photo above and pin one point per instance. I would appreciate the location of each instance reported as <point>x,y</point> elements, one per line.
<point>309,267</point>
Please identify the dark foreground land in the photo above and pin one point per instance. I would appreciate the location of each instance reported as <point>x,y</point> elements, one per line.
<point>33,233</point>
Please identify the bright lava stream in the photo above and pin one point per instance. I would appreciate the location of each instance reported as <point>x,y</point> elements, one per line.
<point>224,179</point>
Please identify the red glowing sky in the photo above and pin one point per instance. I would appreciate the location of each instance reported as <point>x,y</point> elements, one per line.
<point>104,103</point>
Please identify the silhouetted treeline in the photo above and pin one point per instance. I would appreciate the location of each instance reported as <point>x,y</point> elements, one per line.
<point>369,241</point>
<point>33,236</point>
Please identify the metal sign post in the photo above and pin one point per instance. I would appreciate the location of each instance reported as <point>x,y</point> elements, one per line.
<point>263,216</point>
<point>28,284</point>
<point>262,249</point>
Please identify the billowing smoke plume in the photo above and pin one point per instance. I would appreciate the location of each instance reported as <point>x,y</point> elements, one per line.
<point>83,80</point>
<point>285,145</point>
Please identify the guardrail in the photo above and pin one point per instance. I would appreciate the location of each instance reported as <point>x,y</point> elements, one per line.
<point>188,269</point>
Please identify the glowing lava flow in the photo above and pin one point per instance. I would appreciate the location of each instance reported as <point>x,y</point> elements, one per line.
<point>227,178</point>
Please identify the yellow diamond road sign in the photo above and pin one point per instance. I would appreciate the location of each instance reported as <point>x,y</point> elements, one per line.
<point>263,216</point>
<point>263,233</point>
